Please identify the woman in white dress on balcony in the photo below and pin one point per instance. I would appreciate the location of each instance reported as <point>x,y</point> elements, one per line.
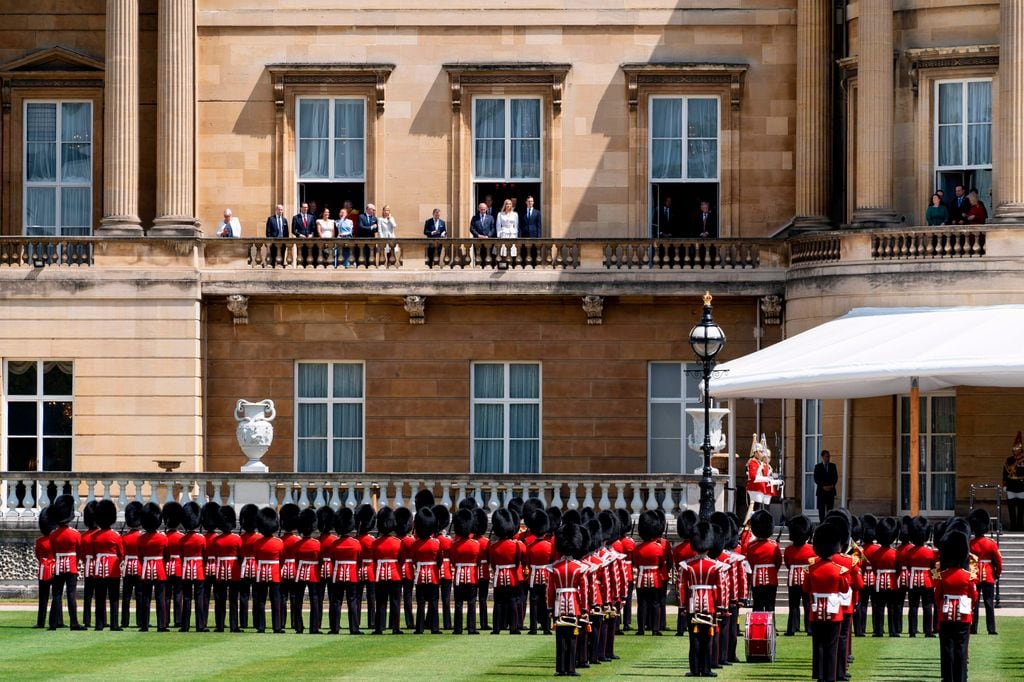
<point>507,226</point>
<point>325,230</point>
<point>386,224</point>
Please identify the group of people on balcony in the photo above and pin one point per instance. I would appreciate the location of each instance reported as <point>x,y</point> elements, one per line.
<point>965,208</point>
<point>669,222</point>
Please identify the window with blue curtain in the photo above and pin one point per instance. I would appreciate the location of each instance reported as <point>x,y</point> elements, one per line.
<point>684,139</point>
<point>671,390</point>
<point>329,416</point>
<point>332,138</point>
<point>963,120</point>
<point>58,168</point>
<point>506,418</point>
<point>507,138</point>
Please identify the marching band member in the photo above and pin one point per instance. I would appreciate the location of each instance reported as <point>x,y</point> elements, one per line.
<point>566,587</point>
<point>625,547</point>
<point>226,550</point>
<point>700,594</point>
<point>387,575</point>
<point>903,567</point>
<point>247,562</point>
<point>465,555</point>
<point>366,519</point>
<point>130,570</point>
<point>920,559</point>
<point>648,558</point>
<point>539,555</point>
<point>85,559</point>
<point>443,515</point>
<point>152,545</point>
<point>848,559</point>
<point>307,574</point>
<point>327,537</point>
<point>614,579</point>
<point>955,598</point>
<point>484,568</point>
<point>765,559</point>
<point>289,520</point>
<point>797,558</point>
<point>826,582</point>
<point>686,522</point>
<point>598,594</point>
<point>65,542</point>
<point>109,552</point>
<point>209,519</point>
<point>404,531</point>
<point>868,530</point>
<point>504,556</point>
<point>426,556</point>
<point>1013,484</point>
<point>46,564</point>
<point>267,552</point>
<point>885,566</point>
<point>990,565</point>
<point>345,555</point>
<point>171,514</point>
<point>193,569</point>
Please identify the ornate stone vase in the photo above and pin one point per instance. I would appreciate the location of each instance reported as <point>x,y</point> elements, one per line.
<point>255,432</point>
<point>696,438</point>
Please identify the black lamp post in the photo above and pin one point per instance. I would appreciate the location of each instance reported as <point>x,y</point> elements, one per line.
<point>707,339</point>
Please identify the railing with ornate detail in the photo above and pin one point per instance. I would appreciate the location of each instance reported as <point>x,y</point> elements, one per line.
<point>919,245</point>
<point>824,248</point>
<point>45,251</point>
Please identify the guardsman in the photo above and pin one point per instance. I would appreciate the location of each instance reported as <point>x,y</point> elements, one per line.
<point>920,559</point>
<point>172,513</point>
<point>681,555</point>
<point>426,557</point>
<point>366,519</point>
<point>797,558</point>
<point>1013,483</point>
<point>152,546</point>
<point>869,543</point>
<point>226,549</point>
<point>346,554</point>
<point>765,559</point>
<point>404,523</point>
<point>109,553</point>
<point>443,515</point>
<point>990,567</point>
<point>625,546</point>
<point>566,587</point>
<point>850,560</point>
<point>45,565</point>
<point>327,536</point>
<point>614,581</point>
<point>539,556</point>
<point>85,559</point>
<point>483,575</point>
<point>827,580</point>
<point>289,520</point>
<point>307,574</point>
<point>648,558</point>
<point>956,598</point>
<point>130,570</point>
<point>209,518</point>
<point>193,569</point>
<point>885,566</point>
<point>65,542</point>
<point>700,593</point>
<point>247,562</point>
<point>267,551</point>
<point>505,558</point>
<point>387,573</point>
<point>903,567</point>
<point>465,556</point>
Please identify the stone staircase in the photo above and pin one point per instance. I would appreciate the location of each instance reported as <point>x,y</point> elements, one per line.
<point>1011,584</point>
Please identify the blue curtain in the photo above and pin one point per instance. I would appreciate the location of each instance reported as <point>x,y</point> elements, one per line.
<point>979,123</point>
<point>951,106</point>
<point>349,139</point>
<point>525,144</point>
<point>76,142</point>
<point>702,139</point>
<point>314,116</point>
<point>489,138</point>
<point>666,138</point>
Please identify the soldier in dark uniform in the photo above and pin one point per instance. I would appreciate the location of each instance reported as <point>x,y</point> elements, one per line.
<point>1013,481</point>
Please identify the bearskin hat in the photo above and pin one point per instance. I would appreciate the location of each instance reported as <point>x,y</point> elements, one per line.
<point>596,534</point>
<point>625,521</point>
<point>344,521</point>
<point>504,524</point>
<point>423,498</point>
<point>650,526</point>
<point>172,514</point>
<point>609,521</point>
<point>953,550</point>
<point>855,530</point>
<point>403,521</point>
<point>572,516</point>
<point>904,528</point>
<point>106,514</point>
<point>979,521</point>
<point>717,540</point>
<point>587,515</point>
<point>228,518</point>
<point>190,513</point>
<point>584,543</point>
<point>730,528</point>
<point>702,536</point>
<point>537,521</point>
<point>306,523</point>
<point>664,519</point>
<point>89,515</point>
<point>569,540</point>
<point>462,525</point>
<point>365,518</point>
<point>290,517</point>
<point>62,511</point>
<point>324,520</point>
<point>532,504</point>
<point>685,523</point>
<point>442,517</point>
<point>247,517</point>
<point>480,522</point>
<point>515,504</point>
<point>46,524</point>
<point>151,517</point>
<point>958,523</point>
<point>554,517</point>
<point>386,523</point>
<point>828,539</point>
<point>799,530</point>
<point>266,522</point>
<point>918,530</point>
<point>467,503</point>
<point>425,523</point>
<point>517,520</point>
<point>887,531</point>
<point>841,519</point>
<point>209,516</point>
<point>762,524</point>
<point>868,528</point>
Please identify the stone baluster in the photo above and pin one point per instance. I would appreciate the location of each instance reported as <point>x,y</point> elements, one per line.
<point>153,497</point>
<point>139,497</point>
<point>668,504</point>
<point>350,495</point>
<point>74,493</point>
<point>573,502</point>
<point>319,500</point>
<point>492,501</point>
<point>12,498</point>
<point>556,497</point>
<point>29,502</point>
<point>272,495</point>
<point>382,499</point>
<point>446,498</point>
<point>44,494</point>
<point>605,503</point>
<point>231,493</point>
<point>168,491</point>
<point>540,494</point>
<point>367,494</point>
<point>335,499</point>
<point>4,504</point>
<point>652,497</point>
<point>588,501</point>
<point>636,503</point>
<point>303,497</point>
<point>90,496</point>
<point>186,492</point>
<point>462,493</point>
<point>106,488</point>
<point>399,500</point>
<point>215,488</point>
<point>620,498</point>
<point>478,495</point>
<point>1010,149</point>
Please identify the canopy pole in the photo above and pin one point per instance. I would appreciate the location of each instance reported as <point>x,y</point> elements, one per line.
<point>846,451</point>
<point>915,447</point>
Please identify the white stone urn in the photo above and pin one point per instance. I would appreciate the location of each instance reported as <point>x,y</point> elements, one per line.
<point>696,438</point>
<point>255,433</point>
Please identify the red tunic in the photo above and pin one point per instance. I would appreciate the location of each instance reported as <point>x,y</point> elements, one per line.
<point>826,582</point>
<point>193,551</point>
<point>65,542</point>
<point>288,566</point>
<point>248,554</point>
<point>566,587</point>
<point>884,562</point>
<point>366,570</point>
<point>44,556</point>
<point>764,558</point>
<point>902,565</point>
<point>426,557</point>
<point>539,555</point>
<point>385,558</point>
<point>307,560</point>
<point>446,556</point>
<point>753,469</point>
<point>648,558</point>
<point>867,568</point>
<point>738,582</point>
<point>625,547</point>
<point>131,552</point>
<point>681,555</point>
<point>849,598</point>
<point>921,560</point>
<point>700,586</point>
<point>990,561</point>
<point>174,553</point>
<point>955,596</point>
<point>483,574</point>
<point>405,559</point>
<point>211,559</point>
<point>797,559</point>
<point>226,549</point>
<point>267,554</point>
<point>86,553</point>
<point>327,543</point>
<point>465,554</point>
<point>345,554</point>
<point>505,559</point>
<point>152,550</point>
<point>109,551</point>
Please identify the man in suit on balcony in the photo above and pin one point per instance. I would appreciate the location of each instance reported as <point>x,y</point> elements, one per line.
<point>531,227</point>
<point>482,227</point>
<point>277,224</point>
<point>303,223</point>
<point>368,223</point>
<point>434,227</point>
<point>664,221</point>
<point>705,222</point>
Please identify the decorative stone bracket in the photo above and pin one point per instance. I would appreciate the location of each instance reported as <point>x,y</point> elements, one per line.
<point>416,307</point>
<point>239,307</point>
<point>641,74</point>
<point>510,73</point>
<point>593,306</point>
<point>297,74</point>
<point>771,307</point>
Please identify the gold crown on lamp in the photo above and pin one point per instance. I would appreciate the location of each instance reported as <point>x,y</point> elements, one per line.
<point>707,298</point>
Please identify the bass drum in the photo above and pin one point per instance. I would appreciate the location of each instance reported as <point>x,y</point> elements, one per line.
<point>759,637</point>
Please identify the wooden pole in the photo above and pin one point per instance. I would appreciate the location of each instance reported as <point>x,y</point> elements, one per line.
<point>915,447</point>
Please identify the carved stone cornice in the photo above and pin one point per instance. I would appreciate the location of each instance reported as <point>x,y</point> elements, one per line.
<point>313,73</point>
<point>685,73</point>
<point>963,56</point>
<point>507,73</point>
<point>54,67</point>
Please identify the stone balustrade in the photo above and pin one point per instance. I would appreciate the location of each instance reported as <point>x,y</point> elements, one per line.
<point>24,495</point>
<point>938,243</point>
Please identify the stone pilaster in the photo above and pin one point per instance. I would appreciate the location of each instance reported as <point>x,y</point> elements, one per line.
<point>121,121</point>
<point>1009,173</point>
<point>874,205</point>
<point>175,152</point>
<point>813,114</point>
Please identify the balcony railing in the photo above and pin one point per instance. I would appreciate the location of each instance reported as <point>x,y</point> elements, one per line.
<point>24,495</point>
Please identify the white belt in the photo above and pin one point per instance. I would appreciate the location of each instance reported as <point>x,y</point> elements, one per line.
<point>832,600</point>
<point>765,566</point>
<point>890,571</point>
<point>536,568</point>
<point>465,565</point>
<point>499,567</point>
<point>339,562</point>
<point>174,557</point>
<point>106,555</point>
<point>565,590</point>
<point>964,605</point>
<point>227,558</point>
<point>266,562</point>
<point>984,561</point>
<point>918,569</point>
<point>303,562</point>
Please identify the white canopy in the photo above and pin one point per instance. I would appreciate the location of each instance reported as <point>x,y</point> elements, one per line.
<point>875,351</point>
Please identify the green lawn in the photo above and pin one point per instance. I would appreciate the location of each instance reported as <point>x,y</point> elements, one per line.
<point>27,654</point>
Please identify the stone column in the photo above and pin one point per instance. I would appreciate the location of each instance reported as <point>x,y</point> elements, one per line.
<point>813,113</point>
<point>175,107</point>
<point>121,121</point>
<point>874,115</point>
<point>1009,173</point>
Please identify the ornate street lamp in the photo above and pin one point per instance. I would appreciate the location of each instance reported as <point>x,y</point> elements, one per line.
<point>707,339</point>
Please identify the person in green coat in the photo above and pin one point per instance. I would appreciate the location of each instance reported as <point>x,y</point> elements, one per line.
<point>937,214</point>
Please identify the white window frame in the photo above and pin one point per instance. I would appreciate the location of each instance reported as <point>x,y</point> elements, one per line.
<point>812,443</point>
<point>508,140</point>
<point>332,140</point>
<point>330,401</point>
<point>57,184</point>
<point>964,125</point>
<point>685,113</point>
<point>925,435</point>
<point>39,398</point>
<point>506,402</point>
<point>683,403</point>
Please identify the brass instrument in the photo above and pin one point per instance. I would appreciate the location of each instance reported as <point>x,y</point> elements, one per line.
<point>702,619</point>
<point>857,553</point>
<point>937,570</point>
<point>564,620</point>
<point>973,567</point>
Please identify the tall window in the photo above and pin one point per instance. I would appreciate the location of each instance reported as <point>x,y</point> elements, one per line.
<point>938,453</point>
<point>671,390</point>
<point>507,149</point>
<point>58,168</point>
<point>331,150</point>
<point>506,418</point>
<point>963,136</point>
<point>329,416</point>
<point>684,160</point>
<point>812,447</point>
<point>39,408</point>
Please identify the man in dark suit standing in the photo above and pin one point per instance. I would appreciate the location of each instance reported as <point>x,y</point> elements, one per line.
<point>482,227</point>
<point>825,478</point>
<point>368,223</point>
<point>531,226</point>
<point>664,221</point>
<point>277,228</point>
<point>958,207</point>
<point>303,223</point>
<point>434,227</point>
<point>705,223</point>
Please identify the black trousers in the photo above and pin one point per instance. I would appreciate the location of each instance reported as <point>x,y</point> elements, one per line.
<point>987,593</point>
<point>426,608</point>
<point>316,609</point>
<point>410,614</point>
<point>108,590</point>
<point>923,597</point>
<point>627,611</point>
<point>901,598</point>
<point>825,505</point>
<point>446,603</point>
<point>225,600</point>
<point>504,609</point>
<point>844,644</point>
<point>147,590</point>
<point>465,600</point>
<point>883,601</point>
<point>595,639</point>
<point>371,603</point>
<point>88,591</point>
<point>129,591</point>
<point>825,649</point>
<point>244,595</point>
<point>764,597</point>
<point>482,589</point>
<point>350,593</point>
<point>798,598</point>
<point>565,647</point>
<point>44,601</point>
<point>539,614</point>
<point>648,609</point>
<point>64,583</point>
<point>953,639</point>
<point>193,590</point>
<point>1016,507</point>
<point>174,597</point>
<point>700,649</point>
<point>287,587</point>
<point>860,613</point>
<point>262,590</point>
<point>730,636</point>
<point>389,593</point>
<point>209,587</point>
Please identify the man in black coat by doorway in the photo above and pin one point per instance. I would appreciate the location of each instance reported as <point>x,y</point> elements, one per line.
<point>825,478</point>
